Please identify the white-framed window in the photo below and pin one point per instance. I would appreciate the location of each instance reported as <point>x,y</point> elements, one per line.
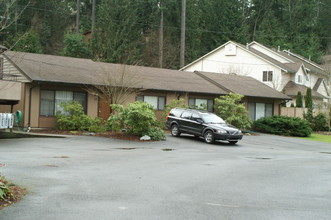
<point>299,78</point>
<point>158,102</point>
<point>267,76</point>
<point>201,103</point>
<point>50,100</point>
<point>260,110</point>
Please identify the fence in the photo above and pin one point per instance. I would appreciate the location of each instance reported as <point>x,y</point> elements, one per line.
<point>298,112</point>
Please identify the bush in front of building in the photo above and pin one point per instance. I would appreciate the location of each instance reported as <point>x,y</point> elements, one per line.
<point>137,118</point>
<point>73,118</point>
<point>283,125</point>
<point>318,122</point>
<point>231,108</point>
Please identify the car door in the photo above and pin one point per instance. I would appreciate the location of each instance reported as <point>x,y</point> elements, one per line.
<point>185,119</point>
<point>196,123</point>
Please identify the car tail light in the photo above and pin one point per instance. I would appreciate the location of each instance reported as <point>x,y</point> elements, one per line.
<point>167,116</point>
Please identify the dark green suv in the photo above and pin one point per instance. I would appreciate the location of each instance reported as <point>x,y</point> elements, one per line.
<point>202,124</point>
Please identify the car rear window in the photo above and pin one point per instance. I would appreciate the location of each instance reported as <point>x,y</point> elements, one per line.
<point>176,112</point>
<point>186,115</point>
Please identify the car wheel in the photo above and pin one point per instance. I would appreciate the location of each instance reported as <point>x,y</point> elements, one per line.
<point>209,137</point>
<point>175,130</point>
<point>233,142</point>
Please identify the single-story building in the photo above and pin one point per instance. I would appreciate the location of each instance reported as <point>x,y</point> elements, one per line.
<point>47,81</point>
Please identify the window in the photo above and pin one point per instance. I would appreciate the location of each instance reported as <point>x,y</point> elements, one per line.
<point>176,112</point>
<point>158,102</point>
<point>267,76</point>
<point>307,77</point>
<point>201,103</point>
<point>299,78</point>
<point>260,110</point>
<point>186,115</point>
<point>50,100</point>
<point>195,117</point>
<point>1,68</point>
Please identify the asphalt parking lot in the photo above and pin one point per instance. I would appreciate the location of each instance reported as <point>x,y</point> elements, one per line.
<point>262,177</point>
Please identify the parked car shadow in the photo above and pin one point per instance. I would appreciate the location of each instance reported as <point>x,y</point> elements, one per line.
<point>201,140</point>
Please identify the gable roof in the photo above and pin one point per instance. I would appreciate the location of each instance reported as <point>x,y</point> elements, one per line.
<point>295,61</point>
<point>244,85</point>
<point>242,47</point>
<point>58,69</point>
<point>292,89</point>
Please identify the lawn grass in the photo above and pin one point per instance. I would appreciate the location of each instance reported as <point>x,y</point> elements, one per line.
<point>319,137</point>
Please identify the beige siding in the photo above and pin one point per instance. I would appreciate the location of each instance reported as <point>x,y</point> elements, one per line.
<point>12,73</point>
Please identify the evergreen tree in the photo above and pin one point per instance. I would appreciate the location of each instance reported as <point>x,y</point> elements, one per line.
<point>117,36</point>
<point>298,100</point>
<point>308,99</point>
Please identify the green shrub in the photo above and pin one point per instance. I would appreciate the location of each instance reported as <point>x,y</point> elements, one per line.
<point>231,109</point>
<point>319,123</point>
<point>74,118</point>
<point>5,192</point>
<point>137,118</point>
<point>283,125</point>
<point>156,133</point>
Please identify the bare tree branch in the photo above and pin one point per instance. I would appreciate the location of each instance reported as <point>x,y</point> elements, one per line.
<point>117,84</point>
<point>9,16</point>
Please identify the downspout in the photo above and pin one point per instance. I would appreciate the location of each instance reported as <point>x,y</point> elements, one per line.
<point>28,126</point>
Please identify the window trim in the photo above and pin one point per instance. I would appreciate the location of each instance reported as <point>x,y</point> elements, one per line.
<point>158,100</point>
<point>211,110</point>
<point>300,78</point>
<point>265,109</point>
<point>54,98</point>
<point>268,75</point>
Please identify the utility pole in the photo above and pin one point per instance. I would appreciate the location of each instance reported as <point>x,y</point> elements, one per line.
<point>78,16</point>
<point>93,15</point>
<point>161,36</point>
<point>182,35</point>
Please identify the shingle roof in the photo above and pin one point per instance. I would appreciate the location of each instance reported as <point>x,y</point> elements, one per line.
<point>164,79</point>
<point>244,85</point>
<point>292,89</point>
<point>58,69</point>
<point>50,68</point>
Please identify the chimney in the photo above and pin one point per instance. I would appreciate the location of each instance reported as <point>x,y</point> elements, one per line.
<point>247,46</point>
<point>309,57</point>
<point>278,49</point>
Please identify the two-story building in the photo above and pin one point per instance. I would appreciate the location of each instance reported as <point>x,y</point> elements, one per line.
<point>282,70</point>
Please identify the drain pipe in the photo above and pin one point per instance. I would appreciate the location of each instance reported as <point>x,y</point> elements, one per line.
<point>28,126</point>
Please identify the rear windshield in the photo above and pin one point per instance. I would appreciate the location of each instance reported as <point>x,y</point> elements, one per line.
<point>176,112</point>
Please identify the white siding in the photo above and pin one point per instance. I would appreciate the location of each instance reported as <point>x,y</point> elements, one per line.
<point>11,73</point>
<point>243,63</point>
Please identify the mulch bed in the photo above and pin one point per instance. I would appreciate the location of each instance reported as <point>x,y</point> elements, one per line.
<point>18,194</point>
